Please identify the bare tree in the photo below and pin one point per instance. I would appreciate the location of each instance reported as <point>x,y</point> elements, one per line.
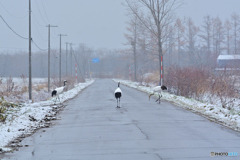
<point>170,45</point>
<point>206,36</point>
<point>218,35</point>
<point>180,37</point>
<point>235,19</point>
<point>132,37</point>
<point>228,28</point>
<point>191,38</point>
<point>160,14</point>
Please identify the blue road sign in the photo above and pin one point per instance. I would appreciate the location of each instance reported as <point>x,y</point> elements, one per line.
<point>95,60</point>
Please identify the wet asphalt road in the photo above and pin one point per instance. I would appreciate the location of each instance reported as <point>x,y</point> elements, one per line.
<point>92,128</point>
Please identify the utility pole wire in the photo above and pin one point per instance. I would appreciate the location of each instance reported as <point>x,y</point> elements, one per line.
<point>39,47</point>
<point>36,20</point>
<point>12,14</point>
<point>20,35</point>
<point>12,29</point>
<point>39,32</point>
<point>45,11</point>
<point>40,12</point>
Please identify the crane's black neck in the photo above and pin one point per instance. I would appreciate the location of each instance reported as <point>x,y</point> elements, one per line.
<point>64,83</point>
<point>118,84</point>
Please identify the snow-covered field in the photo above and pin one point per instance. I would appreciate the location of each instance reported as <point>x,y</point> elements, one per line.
<point>212,110</point>
<point>24,119</point>
<point>15,89</point>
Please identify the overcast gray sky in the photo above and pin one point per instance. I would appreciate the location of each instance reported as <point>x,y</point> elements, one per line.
<point>97,23</point>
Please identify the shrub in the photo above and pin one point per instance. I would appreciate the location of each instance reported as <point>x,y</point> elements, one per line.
<point>3,118</point>
<point>195,82</point>
<point>187,82</point>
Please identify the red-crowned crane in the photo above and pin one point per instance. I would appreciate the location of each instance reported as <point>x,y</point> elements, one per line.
<point>58,91</point>
<point>118,94</point>
<point>159,90</point>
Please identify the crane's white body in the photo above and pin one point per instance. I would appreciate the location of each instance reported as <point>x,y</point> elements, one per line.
<point>118,94</point>
<point>58,91</point>
<point>118,90</point>
<point>158,89</point>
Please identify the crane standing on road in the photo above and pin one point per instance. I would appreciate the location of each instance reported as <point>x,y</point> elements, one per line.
<point>118,94</point>
<point>159,90</point>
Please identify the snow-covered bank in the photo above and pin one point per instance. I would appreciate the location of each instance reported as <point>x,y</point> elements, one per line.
<point>212,111</point>
<point>23,120</point>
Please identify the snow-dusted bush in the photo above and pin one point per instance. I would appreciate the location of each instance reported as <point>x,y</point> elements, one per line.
<point>196,83</point>
<point>149,78</point>
<point>187,82</point>
<point>15,89</point>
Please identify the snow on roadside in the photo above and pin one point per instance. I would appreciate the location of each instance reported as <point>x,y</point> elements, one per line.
<point>25,119</point>
<point>214,112</point>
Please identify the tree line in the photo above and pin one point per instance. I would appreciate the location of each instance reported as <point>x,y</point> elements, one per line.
<point>111,63</point>
<point>154,32</point>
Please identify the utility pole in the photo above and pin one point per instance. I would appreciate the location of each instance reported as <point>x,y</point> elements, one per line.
<point>49,55</point>
<point>60,58</point>
<point>30,58</point>
<point>66,56</point>
<point>71,51</point>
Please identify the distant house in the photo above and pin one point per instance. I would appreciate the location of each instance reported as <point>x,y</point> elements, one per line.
<point>228,61</point>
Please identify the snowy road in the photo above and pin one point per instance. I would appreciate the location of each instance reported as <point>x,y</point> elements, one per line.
<point>92,128</point>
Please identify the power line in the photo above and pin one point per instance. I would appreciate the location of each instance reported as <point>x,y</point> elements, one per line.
<point>37,21</point>
<point>40,12</point>
<point>12,14</point>
<point>38,32</point>
<point>12,29</point>
<point>49,20</point>
<point>38,46</point>
<point>43,18</point>
<point>12,48</point>
<point>20,35</point>
<point>56,34</point>
<point>15,48</point>
<point>45,11</point>
<point>59,30</point>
